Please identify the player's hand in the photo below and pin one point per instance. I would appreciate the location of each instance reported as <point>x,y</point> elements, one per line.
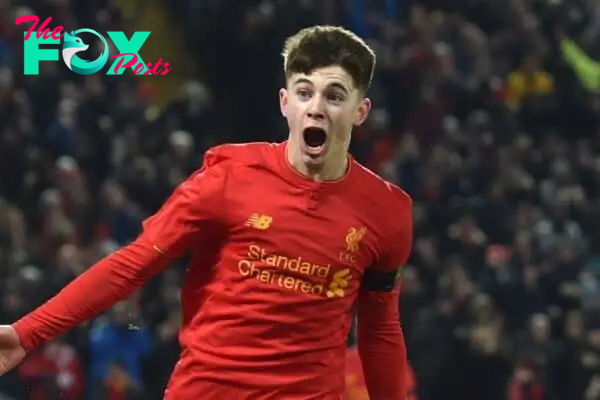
<point>11,351</point>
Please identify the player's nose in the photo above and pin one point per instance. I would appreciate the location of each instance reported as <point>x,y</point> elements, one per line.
<point>316,109</point>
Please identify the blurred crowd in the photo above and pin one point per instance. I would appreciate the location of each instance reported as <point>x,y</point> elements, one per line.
<point>486,112</point>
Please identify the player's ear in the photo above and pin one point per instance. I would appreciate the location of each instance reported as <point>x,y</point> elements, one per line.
<point>362,111</point>
<point>283,101</point>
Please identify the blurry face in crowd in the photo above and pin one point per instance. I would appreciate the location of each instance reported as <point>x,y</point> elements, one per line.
<point>540,327</point>
<point>122,314</point>
<point>321,109</point>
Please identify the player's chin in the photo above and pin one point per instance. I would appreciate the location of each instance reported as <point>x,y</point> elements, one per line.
<point>313,161</point>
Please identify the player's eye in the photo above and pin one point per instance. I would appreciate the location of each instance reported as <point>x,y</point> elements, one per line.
<point>335,97</point>
<point>303,93</point>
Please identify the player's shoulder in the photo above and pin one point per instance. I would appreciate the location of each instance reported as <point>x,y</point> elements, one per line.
<point>386,194</point>
<point>239,154</point>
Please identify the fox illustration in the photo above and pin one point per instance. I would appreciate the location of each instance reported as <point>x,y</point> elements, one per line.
<point>72,45</point>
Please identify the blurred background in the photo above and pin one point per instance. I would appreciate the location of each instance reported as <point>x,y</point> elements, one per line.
<point>486,111</point>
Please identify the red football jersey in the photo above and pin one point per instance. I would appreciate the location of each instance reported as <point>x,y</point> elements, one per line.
<point>277,264</point>
<point>268,294</point>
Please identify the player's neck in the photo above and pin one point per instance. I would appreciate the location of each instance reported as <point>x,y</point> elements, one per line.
<point>332,169</point>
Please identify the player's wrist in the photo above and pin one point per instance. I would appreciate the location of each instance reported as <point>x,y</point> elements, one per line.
<point>24,334</point>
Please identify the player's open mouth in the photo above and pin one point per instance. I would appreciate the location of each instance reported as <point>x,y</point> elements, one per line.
<point>314,139</point>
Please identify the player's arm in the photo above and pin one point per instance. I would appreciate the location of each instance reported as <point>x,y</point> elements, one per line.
<point>191,209</point>
<point>380,339</point>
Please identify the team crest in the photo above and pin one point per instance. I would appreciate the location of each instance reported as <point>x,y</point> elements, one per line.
<point>353,239</point>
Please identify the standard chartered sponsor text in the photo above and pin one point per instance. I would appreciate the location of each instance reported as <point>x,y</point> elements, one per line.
<point>277,269</point>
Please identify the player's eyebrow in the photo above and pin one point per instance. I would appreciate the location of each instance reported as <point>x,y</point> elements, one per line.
<point>335,85</point>
<point>339,86</point>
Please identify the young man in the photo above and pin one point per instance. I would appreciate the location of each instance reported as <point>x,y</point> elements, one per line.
<point>284,239</point>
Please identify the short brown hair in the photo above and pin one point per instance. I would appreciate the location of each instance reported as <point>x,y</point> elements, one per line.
<point>324,46</point>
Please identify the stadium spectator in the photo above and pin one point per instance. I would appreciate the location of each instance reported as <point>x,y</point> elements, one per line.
<point>117,350</point>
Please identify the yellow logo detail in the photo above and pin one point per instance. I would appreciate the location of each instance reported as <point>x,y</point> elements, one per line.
<point>353,238</point>
<point>158,250</point>
<point>339,283</point>
<point>259,221</point>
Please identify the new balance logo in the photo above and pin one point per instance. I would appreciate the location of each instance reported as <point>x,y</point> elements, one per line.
<point>339,283</point>
<point>259,221</point>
